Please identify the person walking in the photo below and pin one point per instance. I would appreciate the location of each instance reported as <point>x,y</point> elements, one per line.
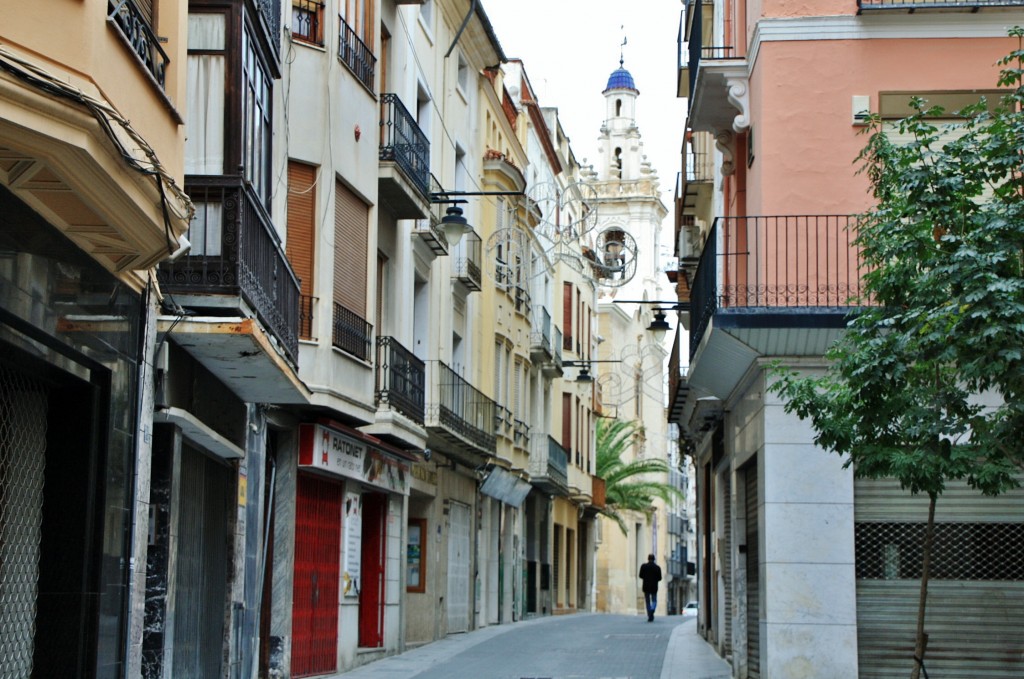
<point>650,574</point>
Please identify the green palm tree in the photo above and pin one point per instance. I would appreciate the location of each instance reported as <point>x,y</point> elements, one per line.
<point>627,484</point>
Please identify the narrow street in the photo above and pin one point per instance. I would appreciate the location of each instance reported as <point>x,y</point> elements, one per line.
<point>583,646</point>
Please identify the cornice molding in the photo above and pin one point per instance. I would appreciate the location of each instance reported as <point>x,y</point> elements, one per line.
<point>881,27</point>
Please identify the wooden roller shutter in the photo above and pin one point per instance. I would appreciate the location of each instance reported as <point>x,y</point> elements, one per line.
<point>301,222</point>
<point>351,219</point>
<point>145,7</point>
<point>567,423</point>
<point>567,316</point>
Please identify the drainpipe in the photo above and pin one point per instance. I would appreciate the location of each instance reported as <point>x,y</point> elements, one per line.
<point>465,22</point>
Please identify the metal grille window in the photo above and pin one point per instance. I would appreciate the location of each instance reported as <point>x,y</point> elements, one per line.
<point>961,551</point>
<point>307,21</point>
<point>23,405</point>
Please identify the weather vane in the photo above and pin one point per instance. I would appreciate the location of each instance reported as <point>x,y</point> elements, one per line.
<point>621,58</point>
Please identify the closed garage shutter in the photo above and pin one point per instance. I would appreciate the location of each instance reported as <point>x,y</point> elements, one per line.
<point>458,567</point>
<point>201,575</point>
<point>974,616</point>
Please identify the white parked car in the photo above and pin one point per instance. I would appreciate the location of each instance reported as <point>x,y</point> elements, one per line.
<point>690,610</point>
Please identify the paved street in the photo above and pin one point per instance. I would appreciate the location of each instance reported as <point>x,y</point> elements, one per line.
<point>582,646</point>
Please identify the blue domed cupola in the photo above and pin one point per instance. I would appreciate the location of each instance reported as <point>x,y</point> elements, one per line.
<point>621,79</point>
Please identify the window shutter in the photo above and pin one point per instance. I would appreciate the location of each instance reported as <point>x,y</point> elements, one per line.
<point>301,222</point>
<point>567,423</point>
<point>351,217</point>
<point>567,316</point>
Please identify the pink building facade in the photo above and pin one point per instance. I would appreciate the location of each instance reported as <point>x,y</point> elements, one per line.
<point>803,570</point>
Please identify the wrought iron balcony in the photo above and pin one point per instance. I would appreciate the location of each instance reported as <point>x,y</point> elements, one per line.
<point>549,465</point>
<point>351,333</point>
<point>307,304</point>
<point>269,12</point>
<point>540,336</point>
<point>401,379</point>
<point>459,412</point>
<point>134,27</point>
<point>763,265</point>
<point>354,53</point>
<point>466,262</point>
<point>912,6</point>
<point>700,167</point>
<point>428,230</point>
<point>520,432</point>
<point>553,368</point>
<point>236,254</point>
<point>403,144</point>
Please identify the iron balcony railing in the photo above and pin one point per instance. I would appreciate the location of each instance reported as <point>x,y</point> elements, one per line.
<point>354,53</point>
<point>429,230</point>
<point>466,267</point>
<point>696,51</point>
<point>244,257</point>
<point>558,462</point>
<point>699,167</point>
<point>270,14</point>
<point>939,5</point>
<point>351,333</point>
<point>306,305</point>
<point>403,142</point>
<point>521,432</point>
<point>540,332</point>
<point>135,28</point>
<point>797,261</point>
<point>401,379</point>
<point>461,408</point>
<point>549,463</point>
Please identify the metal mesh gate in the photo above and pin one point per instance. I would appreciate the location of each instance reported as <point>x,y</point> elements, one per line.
<point>23,407</point>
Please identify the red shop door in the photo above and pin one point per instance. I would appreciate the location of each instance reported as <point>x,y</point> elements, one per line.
<point>315,598</point>
<point>371,596</point>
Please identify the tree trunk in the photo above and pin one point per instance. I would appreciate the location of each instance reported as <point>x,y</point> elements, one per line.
<point>926,560</point>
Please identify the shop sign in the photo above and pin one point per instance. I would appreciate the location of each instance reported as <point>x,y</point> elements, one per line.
<point>328,450</point>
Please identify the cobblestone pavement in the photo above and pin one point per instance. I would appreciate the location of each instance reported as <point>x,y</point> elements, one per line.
<point>581,646</point>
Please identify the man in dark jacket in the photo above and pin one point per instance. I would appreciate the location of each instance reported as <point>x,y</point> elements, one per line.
<point>650,573</point>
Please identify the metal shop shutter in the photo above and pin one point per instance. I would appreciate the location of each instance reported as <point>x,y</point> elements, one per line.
<point>974,615</point>
<point>317,569</point>
<point>458,567</point>
<point>200,588</point>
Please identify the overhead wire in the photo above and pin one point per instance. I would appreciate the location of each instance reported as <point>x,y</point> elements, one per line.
<point>109,119</point>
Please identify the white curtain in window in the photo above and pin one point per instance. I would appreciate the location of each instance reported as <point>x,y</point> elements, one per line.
<point>204,116</point>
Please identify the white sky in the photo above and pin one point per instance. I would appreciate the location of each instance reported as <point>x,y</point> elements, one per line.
<point>570,47</point>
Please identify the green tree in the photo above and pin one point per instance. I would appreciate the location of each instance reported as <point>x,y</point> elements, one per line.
<point>942,316</point>
<point>628,485</point>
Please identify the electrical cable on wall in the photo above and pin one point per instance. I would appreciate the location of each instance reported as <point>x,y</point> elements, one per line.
<point>109,119</point>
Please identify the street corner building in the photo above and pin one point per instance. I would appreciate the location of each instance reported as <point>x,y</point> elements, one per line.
<point>803,569</point>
